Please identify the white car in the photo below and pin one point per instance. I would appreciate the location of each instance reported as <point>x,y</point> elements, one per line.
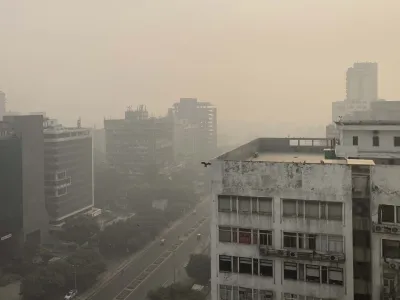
<point>71,294</point>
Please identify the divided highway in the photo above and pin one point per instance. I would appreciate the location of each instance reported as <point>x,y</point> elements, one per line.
<point>154,266</point>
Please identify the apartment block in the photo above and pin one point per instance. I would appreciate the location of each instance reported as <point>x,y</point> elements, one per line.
<point>195,130</point>
<point>68,161</point>
<point>293,219</point>
<point>139,144</point>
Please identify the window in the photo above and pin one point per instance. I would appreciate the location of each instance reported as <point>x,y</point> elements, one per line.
<point>245,294</point>
<point>313,273</point>
<point>224,203</point>
<point>225,263</point>
<point>307,241</point>
<point>387,213</point>
<point>266,268</point>
<point>255,266</point>
<point>254,205</point>
<point>265,206</point>
<point>289,208</point>
<point>312,209</point>
<point>300,208</point>
<point>398,214</point>
<point>290,271</point>
<point>375,141</point>
<point>355,140</point>
<point>244,236</point>
<point>289,240</point>
<point>396,141</point>
<point>266,237</point>
<point>391,249</point>
<point>225,292</point>
<point>235,267</point>
<point>234,235</point>
<point>225,234</point>
<point>324,274</point>
<point>244,204</point>
<point>335,211</point>
<point>245,265</point>
<point>322,209</point>
<point>335,276</point>
<point>61,192</point>
<point>335,243</point>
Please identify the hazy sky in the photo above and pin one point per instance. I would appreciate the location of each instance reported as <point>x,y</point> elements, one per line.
<point>257,60</point>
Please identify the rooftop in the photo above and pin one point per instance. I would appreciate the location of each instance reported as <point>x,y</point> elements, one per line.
<point>290,150</point>
<point>367,122</point>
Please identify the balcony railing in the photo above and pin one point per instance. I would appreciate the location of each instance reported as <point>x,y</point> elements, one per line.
<point>302,254</point>
<point>386,228</point>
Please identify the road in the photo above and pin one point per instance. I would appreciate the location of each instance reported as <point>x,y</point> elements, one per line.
<point>154,266</point>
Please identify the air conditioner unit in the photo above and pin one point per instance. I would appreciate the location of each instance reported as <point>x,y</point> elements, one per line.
<point>292,254</point>
<point>333,258</point>
<point>282,253</point>
<point>395,230</point>
<point>378,228</point>
<point>394,266</point>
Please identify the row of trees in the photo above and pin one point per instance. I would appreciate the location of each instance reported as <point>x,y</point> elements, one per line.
<point>55,279</point>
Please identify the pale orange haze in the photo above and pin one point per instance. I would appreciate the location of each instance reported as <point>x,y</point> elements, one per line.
<point>268,61</point>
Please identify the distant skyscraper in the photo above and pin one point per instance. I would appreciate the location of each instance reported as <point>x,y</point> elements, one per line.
<point>2,105</point>
<point>362,82</point>
<point>195,133</point>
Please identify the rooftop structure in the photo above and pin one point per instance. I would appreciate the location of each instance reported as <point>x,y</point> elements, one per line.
<point>2,105</point>
<point>291,220</point>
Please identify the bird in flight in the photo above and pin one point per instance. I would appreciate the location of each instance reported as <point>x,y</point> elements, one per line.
<point>206,164</point>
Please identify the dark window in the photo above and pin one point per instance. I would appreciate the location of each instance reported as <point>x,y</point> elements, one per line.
<point>289,208</point>
<point>324,274</point>
<point>244,204</point>
<point>245,265</point>
<point>255,266</point>
<point>289,240</point>
<point>235,264</point>
<point>234,235</point>
<point>335,211</point>
<point>375,141</point>
<point>355,140</point>
<point>225,263</point>
<point>396,141</point>
<point>224,203</point>
<point>225,234</point>
<point>255,236</point>
<point>312,209</point>
<point>391,249</point>
<point>266,268</point>
<point>398,214</point>
<point>265,206</point>
<point>313,273</point>
<point>290,271</point>
<point>387,213</point>
<point>266,237</point>
<point>335,276</point>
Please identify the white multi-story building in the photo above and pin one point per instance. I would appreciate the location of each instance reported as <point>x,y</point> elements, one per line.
<point>292,220</point>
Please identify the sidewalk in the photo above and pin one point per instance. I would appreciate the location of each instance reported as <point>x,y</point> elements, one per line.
<point>113,268</point>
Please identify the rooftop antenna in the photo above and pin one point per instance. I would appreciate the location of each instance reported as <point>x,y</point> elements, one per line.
<point>79,122</point>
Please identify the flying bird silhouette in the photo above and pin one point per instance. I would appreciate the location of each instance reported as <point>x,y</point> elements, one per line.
<point>206,164</point>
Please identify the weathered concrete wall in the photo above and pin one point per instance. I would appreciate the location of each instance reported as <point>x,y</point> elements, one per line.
<point>281,180</point>
<point>385,190</point>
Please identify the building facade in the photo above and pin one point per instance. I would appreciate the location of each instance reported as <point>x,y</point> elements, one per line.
<point>195,133</point>
<point>362,82</point>
<point>29,129</point>
<point>295,219</point>
<point>139,144</point>
<point>68,161</point>
<point>11,201</point>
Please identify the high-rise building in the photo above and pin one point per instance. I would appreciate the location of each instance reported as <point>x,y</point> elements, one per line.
<point>2,105</point>
<point>362,82</point>
<point>68,171</point>
<point>195,132</point>
<point>308,219</point>
<point>29,129</point>
<point>139,144</point>
<point>11,201</point>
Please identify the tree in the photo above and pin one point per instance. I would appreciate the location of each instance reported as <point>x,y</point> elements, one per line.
<point>79,229</point>
<point>56,279</point>
<point>175,292</point>
<point>199,268</point>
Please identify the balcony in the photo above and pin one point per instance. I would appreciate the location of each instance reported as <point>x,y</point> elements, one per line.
<point>386,228</point>
<point>302,254</point>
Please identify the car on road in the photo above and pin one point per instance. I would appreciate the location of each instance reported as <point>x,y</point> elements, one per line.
<point>71,294</point>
